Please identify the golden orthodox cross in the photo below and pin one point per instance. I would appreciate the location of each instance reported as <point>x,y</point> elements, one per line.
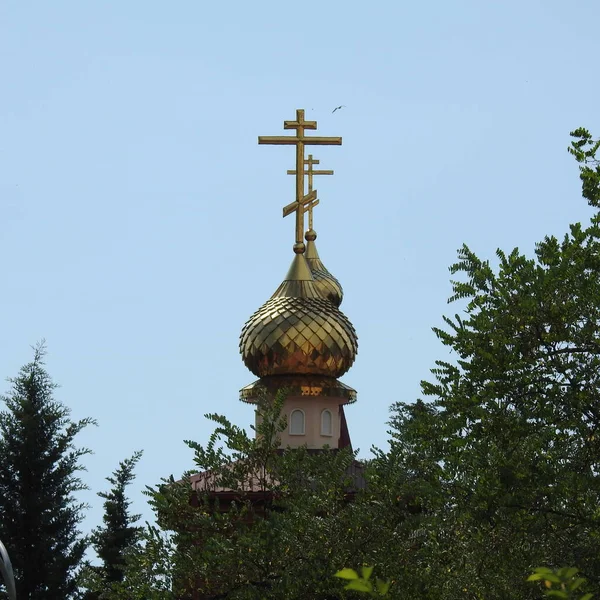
<point>310,172</point>
<point>300,140</point>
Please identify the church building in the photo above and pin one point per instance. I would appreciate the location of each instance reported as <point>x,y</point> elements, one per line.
<point>300,340</point>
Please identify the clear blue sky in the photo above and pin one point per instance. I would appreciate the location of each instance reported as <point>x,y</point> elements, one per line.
<point>140,222</point>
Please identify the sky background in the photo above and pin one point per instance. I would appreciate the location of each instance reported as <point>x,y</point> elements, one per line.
<point>140,222</point>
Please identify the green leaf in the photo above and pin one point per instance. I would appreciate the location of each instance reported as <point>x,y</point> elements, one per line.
<point>567,572</point>
<point>586,597</point>
<point>382,587</point>
<point>366,572</point>
<point>577,584</point>
<point>347,574</point>
<point>557,594</point>
<point>359,585</point>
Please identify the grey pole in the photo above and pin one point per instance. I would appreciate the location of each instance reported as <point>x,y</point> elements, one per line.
<point>7,573</point>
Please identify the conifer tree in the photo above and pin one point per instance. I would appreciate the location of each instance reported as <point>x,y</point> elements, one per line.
<point>118,533</point>
<point>39,465</point>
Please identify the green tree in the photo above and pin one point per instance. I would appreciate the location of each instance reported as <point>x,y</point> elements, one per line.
<point>302,520</point>
<point>584,148</point>
<point>118,535</point>
<point>39,465</point>
<point>505,456</point>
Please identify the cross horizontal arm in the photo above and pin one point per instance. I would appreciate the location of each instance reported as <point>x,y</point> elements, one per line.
<point>323,141</point>
<point>285,140</point>
<point>322,172</point>
<point>296,124</point>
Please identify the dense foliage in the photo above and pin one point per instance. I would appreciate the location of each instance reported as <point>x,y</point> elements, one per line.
<point>505,456</point>
<point>117,535</point>
<point>284,538</point>
<point>39,466</point>
<point>119,532</point>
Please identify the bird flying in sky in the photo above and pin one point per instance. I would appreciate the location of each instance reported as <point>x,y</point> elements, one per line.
<point>338,108</point>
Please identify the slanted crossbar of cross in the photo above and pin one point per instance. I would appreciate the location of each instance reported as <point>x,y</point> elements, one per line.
<point>309,162</point>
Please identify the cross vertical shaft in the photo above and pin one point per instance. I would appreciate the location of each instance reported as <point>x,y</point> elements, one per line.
<point>300,189</point>
<point>300,140</point>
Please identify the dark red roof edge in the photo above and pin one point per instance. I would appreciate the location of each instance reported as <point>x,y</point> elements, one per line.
<point>344,441</point>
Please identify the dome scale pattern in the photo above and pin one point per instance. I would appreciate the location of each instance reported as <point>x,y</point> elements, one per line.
<point>298,335</point>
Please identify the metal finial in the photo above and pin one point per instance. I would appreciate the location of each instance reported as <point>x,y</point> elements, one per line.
<point>300,140</point>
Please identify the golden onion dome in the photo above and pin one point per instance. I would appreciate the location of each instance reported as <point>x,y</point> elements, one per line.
<point>297,331</point>
<point>326,283</point>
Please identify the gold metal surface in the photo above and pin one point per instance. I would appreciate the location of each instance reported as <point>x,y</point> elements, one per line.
<point>298,335</point>
<point>301,385</point>
<point>299,332</point>
<point>305,204</point>
<point>291,288</point>
<point>310,161</point>
<point>299,270</point>
<point>300,140</point>
<point>325,282</point>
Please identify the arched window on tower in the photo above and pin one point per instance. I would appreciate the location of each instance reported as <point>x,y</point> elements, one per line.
<point>297,422</point>
<point>326,423</point>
